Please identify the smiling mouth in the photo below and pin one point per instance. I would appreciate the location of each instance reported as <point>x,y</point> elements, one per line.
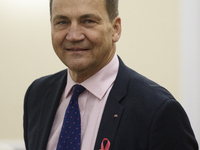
<point>76,49</point>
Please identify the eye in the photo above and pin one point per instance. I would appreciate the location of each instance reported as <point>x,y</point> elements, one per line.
<point>89,21</point>
<point>62,22</point>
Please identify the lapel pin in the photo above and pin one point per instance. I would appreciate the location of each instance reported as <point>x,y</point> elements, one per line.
<point>115,116</point>
<point>107,145</point>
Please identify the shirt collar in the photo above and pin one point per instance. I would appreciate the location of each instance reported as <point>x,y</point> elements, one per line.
<point>100,82</point>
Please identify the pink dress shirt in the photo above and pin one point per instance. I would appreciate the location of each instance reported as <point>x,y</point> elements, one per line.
<point>91,102</point>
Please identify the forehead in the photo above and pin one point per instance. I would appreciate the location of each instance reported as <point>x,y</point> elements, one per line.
<point>79,6</point>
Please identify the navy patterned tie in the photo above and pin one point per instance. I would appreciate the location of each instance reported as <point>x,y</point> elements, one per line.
<point>70,136</point>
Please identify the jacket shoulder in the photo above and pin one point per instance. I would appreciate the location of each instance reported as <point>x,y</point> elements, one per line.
<point>148,89</point>
<point>48,79</point>
<point>43,84</point>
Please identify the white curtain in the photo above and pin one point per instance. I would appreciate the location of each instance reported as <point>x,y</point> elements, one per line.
<point>190,65</point>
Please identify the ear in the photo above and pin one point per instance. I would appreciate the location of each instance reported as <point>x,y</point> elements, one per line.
<point>116,24</point>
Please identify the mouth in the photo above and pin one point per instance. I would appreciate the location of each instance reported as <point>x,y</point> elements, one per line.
<point>77,49</point>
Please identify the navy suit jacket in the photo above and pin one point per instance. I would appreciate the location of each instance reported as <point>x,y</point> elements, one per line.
<point>148,116</point>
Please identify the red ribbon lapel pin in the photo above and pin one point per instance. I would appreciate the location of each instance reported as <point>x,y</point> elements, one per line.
<point>107,145</point>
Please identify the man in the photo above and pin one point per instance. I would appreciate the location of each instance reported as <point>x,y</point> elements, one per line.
<point>119,109</point>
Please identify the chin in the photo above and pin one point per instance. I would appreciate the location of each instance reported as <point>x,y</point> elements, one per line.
<point>77,67</point>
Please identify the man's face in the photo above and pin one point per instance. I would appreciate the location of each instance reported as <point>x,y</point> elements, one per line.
<point>82,35</point>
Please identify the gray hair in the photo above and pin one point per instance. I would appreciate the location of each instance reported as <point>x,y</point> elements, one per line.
<point>111,7</point>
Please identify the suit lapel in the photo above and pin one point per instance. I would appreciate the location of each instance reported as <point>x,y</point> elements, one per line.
<point>51,103</point>
<point>113,109</point>
<point>109,123</point>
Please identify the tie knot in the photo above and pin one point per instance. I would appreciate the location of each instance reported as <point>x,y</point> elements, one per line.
<point>77,90</point>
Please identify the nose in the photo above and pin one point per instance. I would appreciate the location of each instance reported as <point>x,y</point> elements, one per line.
<point>74,33</point>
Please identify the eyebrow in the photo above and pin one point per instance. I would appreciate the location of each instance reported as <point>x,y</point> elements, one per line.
<point>59,17</point>
<point>90,16</point>
<point>81,17</point>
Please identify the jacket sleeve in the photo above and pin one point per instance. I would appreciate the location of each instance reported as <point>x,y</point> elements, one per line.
<point>171,129</point>
<point>25,118</point>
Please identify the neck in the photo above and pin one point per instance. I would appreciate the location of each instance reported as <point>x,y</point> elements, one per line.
<point>78,77</point>
<point>81,76</point>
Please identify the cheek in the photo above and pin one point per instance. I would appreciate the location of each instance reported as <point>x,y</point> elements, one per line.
<point>98,40</point>
<point>57,38</point>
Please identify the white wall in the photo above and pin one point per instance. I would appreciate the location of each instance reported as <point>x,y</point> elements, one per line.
<point>150,42</point>
<point>190,56</point>
<point>25,54</point>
